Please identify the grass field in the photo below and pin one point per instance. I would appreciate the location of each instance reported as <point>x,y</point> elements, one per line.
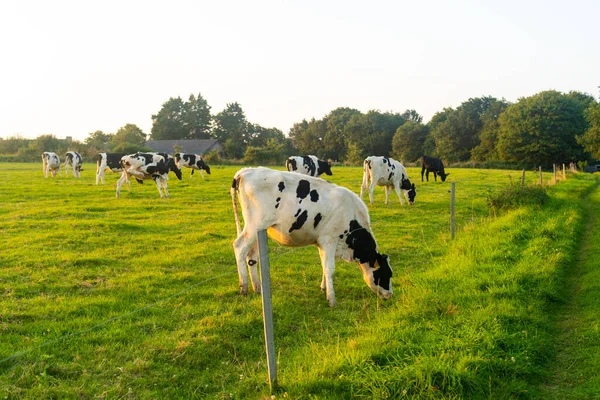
<point>138,297</point>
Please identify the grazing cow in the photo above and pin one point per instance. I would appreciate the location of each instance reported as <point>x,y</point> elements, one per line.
<point>299,210</point>
<point>308,165</point>
<point>51,163</point>
<point>73,160</point>
<point>193,161</point>
<point>142,166</point>
<point>435,165</point>
<point>385,171</point>
<point>106,161</point>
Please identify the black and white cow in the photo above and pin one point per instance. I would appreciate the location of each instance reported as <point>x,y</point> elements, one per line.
<point>435,165</point>
<point>300,210</point>
<point>308,165</point>
<point>106,161</point>
<point>385,171</point>
<point>193,161</point>
<point>50,163</point>
<point>142,166</point>
<point>73,160</point>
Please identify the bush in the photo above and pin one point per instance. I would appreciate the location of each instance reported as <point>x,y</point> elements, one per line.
<point>515,196</point>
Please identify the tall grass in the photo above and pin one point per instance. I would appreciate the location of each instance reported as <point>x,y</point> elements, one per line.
<point>137,297</point>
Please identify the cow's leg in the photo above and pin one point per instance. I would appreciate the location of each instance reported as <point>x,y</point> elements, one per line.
<point>252,261</point>
<point>327,254</point>
<point>66,170</point>
<point>397,188</point>
<point>192,174</point>
<point>120,182</point>
<point>365,183</point>
<point>422,172</point>
<point>371,190</point>
<point>246,241</point>
<point>202,173</point>
<point>163,179</point>
<point>387,193</point>
<point>427,175</point>
<point>157,180</point>
<point>435,176</point>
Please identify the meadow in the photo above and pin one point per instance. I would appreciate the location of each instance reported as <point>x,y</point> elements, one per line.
<point>138,297</point>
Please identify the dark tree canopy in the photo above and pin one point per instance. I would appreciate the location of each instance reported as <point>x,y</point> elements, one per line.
<point>408,144</point>
<point>542,129</point>
<point>590,140</point>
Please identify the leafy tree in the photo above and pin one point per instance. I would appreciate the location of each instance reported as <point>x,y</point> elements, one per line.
<point>459,133</point>
<point>197,118</point>
<point>307,137</point>
<point>488,138</point>
<point>413,116</point>
<point>231,128</point>
<point>169,123</point>
<point>127,135</point>
<point>372,133</point>
<point>98,140</point>
<point>542,129</point>
<point>590,140</point>
<point>334,143</point>
<point>409,140</point>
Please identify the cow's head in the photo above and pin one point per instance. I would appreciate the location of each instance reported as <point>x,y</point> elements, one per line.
<point>410,190</point>
<point>378,276</point>
<point>173,167</point>
<point>177,157</point>
<point>204,166</point>
<point>443,175</point>
<point>375,267</point>
<point>324,168</point>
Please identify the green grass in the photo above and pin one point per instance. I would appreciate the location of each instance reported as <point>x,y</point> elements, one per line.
<point>137,297</point>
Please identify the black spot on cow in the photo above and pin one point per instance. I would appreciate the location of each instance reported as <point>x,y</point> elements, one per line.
<point>341,236</point>
<point>362,242</point>
<point>314,196</point>
<point>277,201</point>
<point>299,221</point>
<point>391,175</point>
<point>318,218</point>
<point>297,213</point>
<point>303,189</point>
<point>309,165</point>
<point>281,186</point>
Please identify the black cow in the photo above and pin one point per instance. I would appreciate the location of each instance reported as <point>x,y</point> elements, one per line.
<point>435,165</point>
<point>308,165</point>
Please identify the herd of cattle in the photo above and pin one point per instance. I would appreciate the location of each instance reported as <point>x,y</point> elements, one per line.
<point>296,208</point>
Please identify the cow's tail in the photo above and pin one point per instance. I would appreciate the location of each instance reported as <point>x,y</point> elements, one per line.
<point>234,188</point>
<point>365,181</point>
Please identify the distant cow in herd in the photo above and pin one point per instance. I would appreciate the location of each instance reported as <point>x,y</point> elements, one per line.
<point>106,161</point>
<point>387,172</point>
<point>73,161</point>
<point>143,166</point>
<point>300,210</point>
<point>435,165</point>
<point>193,161</point>
<point>50,163</point>
<point>308,165</point>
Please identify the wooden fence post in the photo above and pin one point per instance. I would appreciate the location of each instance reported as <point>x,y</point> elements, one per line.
<point>452,200</point>
<point>263,251</point>
<point>554,171</point>
<point>564,172</point>
<point>522,178</point>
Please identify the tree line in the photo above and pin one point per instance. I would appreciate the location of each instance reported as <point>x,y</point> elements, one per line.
<point>548,127</point>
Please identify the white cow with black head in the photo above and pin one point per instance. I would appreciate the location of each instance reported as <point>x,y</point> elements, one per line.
<point>73,160</point>
<point>299,210</point>
<point>385,171</point>
<point>143,166</point>
<point>308,165</point>
<point>193,161</point>
<point>50,163</point>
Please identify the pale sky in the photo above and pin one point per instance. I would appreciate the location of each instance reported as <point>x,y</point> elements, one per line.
<point>69,68</point>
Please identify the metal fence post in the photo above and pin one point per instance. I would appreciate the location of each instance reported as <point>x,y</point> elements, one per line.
<point>263,251</point>
<point>541,178</point>
<point>523,178</point>
<point>452,198</point>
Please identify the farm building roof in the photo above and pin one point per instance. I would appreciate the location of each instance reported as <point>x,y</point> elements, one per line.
<point>199,146</point>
